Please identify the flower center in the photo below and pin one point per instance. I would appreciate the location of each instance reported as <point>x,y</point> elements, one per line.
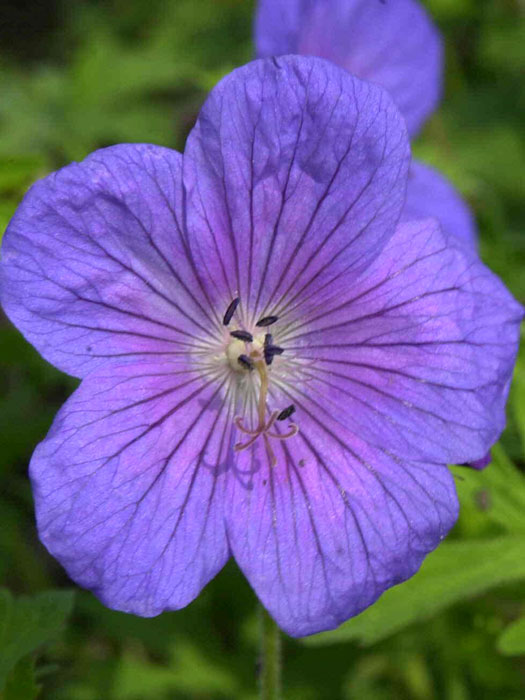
<point>238,348</point>
<point>253,354</point>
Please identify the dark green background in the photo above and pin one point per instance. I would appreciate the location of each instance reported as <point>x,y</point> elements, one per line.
<point>75,76</point>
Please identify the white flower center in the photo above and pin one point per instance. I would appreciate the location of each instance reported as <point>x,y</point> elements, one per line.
<point>236,348</point>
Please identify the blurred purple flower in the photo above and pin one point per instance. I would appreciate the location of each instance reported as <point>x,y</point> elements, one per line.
<point>393,344</point>
<point>393,43</point>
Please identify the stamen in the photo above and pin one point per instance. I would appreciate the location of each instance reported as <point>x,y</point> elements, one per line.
<point>266,321</point>
<point>270,351</point>
<point>242,335</point>
<point>246,362</point>
<point>258,359</point>
<point>286,412</point>
<point>230,311</point>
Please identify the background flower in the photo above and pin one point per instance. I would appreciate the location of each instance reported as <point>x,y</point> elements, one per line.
<point>392,43</point>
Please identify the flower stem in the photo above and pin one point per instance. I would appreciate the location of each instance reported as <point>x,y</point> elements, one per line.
<point>270,670</point>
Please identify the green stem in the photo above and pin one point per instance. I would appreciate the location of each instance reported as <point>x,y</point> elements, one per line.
<point>270,671</point>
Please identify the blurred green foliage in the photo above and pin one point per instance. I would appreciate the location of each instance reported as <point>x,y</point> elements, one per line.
<point>80,74</point>
<point>25,624</point>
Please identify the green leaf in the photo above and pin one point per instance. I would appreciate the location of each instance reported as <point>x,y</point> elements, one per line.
<point>21,683</point>
<point>189,673</point>
<point>498,490</point>
<point>502,46</point>
<point>450,9</point>
<point>27,622</point>
<point>7,209</point>
<point>17,172</point>
<point>512,641</point>
<point>454,572</point>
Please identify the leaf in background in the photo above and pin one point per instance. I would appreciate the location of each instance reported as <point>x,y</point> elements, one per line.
<point>20,683</point>
<point>7,209</point>
<point>17,173</point>
<point>498,490</point>
<point>190,673</point>
<point>113,92</point>
<point>455,571</point>
<point>27,622</point>
<point>451,9</point>
<point>512,641</point>
<point>502,37</point>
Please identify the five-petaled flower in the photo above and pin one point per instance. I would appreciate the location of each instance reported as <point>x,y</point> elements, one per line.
<point>272,366</point>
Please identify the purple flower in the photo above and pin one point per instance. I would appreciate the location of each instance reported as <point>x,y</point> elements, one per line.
<point>389,42</point>
<point>272,368</point>
<point>430,195</point>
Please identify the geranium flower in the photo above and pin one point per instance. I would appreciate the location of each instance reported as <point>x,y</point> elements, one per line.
<point>393,43</point>
<point>271,367</point>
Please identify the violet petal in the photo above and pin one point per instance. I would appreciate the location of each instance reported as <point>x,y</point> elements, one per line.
<point>128,485</point>
<point>480,464</point>
<point>293,170</point>
<point>94,265</point>
<point>430,194</point>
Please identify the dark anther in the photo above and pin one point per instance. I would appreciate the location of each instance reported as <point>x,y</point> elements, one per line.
<point>245,362</point>
<point>266,321</point>
<point>286,413</point>
<point>268,339</point>
<point>242,335</point>
<point>270,351</point>
<point>230,311</point>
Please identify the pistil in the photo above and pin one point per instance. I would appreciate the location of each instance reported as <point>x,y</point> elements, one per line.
<point>263,427</point>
